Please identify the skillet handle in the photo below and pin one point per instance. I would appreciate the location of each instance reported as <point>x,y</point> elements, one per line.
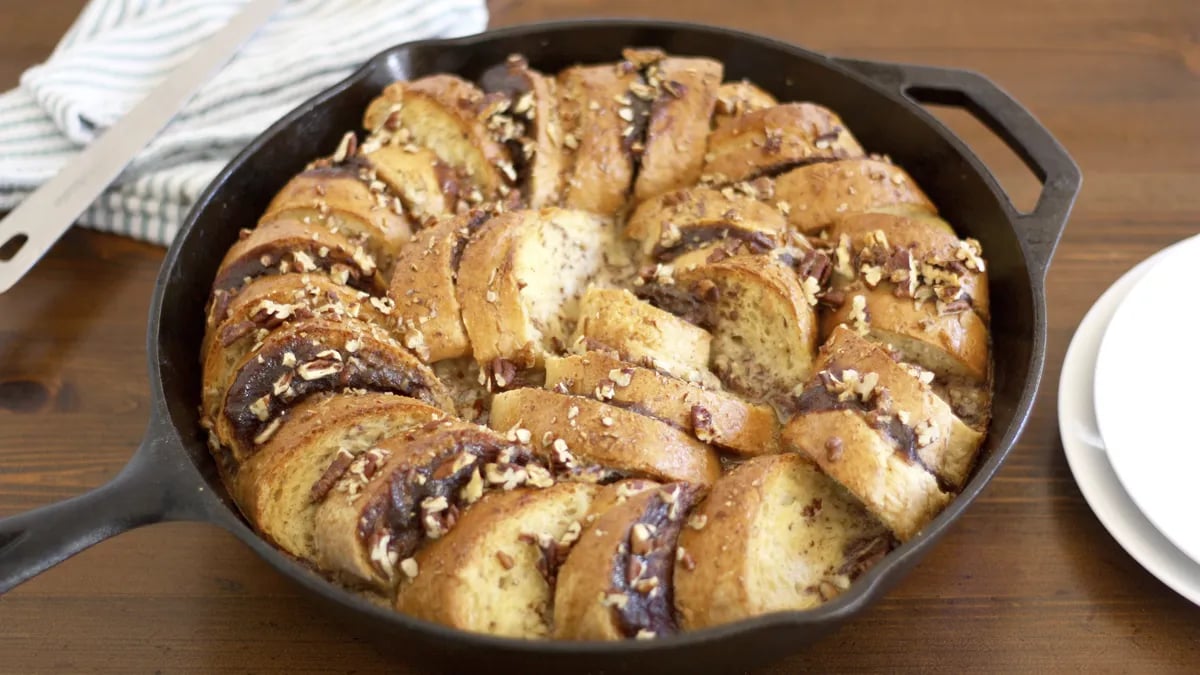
<point>158,484</point>
<point>1039,229</point>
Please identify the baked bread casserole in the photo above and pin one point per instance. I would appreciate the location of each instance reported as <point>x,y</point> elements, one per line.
<point>603,354</point>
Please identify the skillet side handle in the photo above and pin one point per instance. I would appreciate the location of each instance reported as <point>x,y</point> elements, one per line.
<point>1039,229</point>
<point>158,484</point>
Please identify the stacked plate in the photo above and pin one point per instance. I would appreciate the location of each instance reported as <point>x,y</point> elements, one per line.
<point>1129,413</point>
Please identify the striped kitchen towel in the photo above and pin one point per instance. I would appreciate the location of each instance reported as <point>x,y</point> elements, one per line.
<point>118,50</point>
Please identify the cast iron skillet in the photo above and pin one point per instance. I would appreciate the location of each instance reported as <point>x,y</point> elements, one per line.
<point>172,477</point>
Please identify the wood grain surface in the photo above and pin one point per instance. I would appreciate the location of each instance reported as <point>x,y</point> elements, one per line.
<point>1027,581</point>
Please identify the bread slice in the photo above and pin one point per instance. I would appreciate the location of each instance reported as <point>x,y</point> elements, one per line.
<point>289,245</point>
<point>773,535</point>
<point>521,278</point>
<point>951,344</point>
<point>922,255</point>
<point>762,321</point>
<point>309,357</point>
<point>379,508</point>
<point>817,194</point>
<point>617,580</point>
<point>274,486</point>
<point>773,140</point>
<point>426,187</point>
<point>940,441</point>
<point>345,200</point>
<point>715,417</point>
<point>428,316</point>
<point>684,92</point>
<point>615,320</point>
<point>866,461</point>
<point>447,115</point>
<point>235,327</point>
<point>579,430</point>
<point>674,223</point>
<point>536,139</point>
<point>490,573</point>
<point>600,125</point>
<point>735,99</point>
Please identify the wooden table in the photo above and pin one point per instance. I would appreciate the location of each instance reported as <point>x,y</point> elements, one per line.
<point>1028,580</point>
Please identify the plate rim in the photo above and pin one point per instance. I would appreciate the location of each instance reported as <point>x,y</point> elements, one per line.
<point>1106,386</point>
<point>1088,461</point>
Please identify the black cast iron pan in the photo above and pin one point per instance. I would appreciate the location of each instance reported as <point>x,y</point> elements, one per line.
<point>172,477</point>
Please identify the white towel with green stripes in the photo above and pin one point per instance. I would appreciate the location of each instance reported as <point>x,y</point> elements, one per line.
<point>118,50</point>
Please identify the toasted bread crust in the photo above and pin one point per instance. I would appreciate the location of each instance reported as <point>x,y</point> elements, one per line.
<point>767,352</point>
<point>949,344</point>
<point>711,416</point>
<point>766,141</point>
<point>482,576</point>
<point>344,200</point>
<point>594,121</point>
<point>601,433</point>
<point>735,99</point>
<point>274,486</point>
<point>678,126</point>
<point>288,245</point>
<point>764,509</point>
<point>818,194</point>
<point>944,444</point>
<point>674,223</point>
<point>447,115</point>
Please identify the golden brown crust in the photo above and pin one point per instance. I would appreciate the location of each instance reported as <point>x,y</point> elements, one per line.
<point>344,201</point>
<point>951,344</point>
<point>616,320</point>
<point>515,306</point>
<point>536,129</point>
<point>483,576</point>
<point>674,223</point>
<point>409,488</point>
<point>711,416</point>
<point>765,511</point>
<point>767,141</point>
<point>735,99</point>
<point>678,126</point>
<point>943,443</point>
<point>595,128</point>
<point>899,492</point>
<point>426,187</point>
<point>233,328</point>
<point>616,582</point>
<point>447,115</point>
<point>274,486</point>
<point>288,245</point>
<point>593,432</point>
<point>309,357</point>
<point>762,321</point>
<point>817,194</point>
<point>931,243</point>
<point>428,315</point>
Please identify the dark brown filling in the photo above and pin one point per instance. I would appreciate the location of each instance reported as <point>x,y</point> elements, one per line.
<point>474,221</point>
<point>643,569</point>
<point>367,368</point>
<point>398,511</point>
<point>676,300</point>
<point>265,261</point>
<point>862,554</point>
<point>693,237</point>
<point>817,398</point>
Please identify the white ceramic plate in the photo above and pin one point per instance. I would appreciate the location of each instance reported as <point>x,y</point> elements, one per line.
<point>1147,394</point>
<point>1089,461</point>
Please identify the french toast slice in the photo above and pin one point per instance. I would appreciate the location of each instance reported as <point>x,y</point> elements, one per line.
<point>774,534</point>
